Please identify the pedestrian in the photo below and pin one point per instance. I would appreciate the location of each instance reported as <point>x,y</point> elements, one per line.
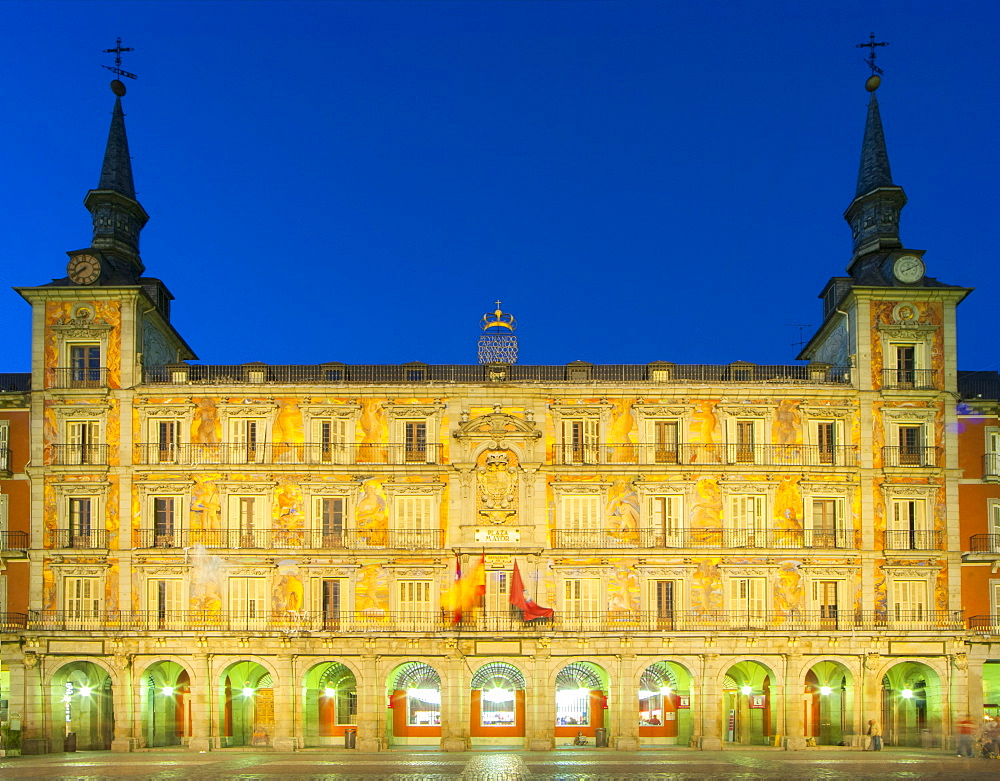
<point>876,735</point>
<point>965,729</point>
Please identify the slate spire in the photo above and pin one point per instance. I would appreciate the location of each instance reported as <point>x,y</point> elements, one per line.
<point>874,213</point>
<point>117,216</point>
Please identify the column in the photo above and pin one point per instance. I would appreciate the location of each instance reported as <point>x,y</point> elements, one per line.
<point>285,705</point>
<point>710,704</point>
<point>371,706</point>
<point>540,704</point>
<point>626,721</point>
<point>794,685</point>
<point>454,705</point>
<point>122,702</point>
<point>200,698</point>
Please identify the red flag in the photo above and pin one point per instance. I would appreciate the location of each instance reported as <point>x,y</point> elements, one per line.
<point>519,598</point>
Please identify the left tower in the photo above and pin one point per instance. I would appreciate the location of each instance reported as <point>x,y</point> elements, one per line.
<point>95,332</point>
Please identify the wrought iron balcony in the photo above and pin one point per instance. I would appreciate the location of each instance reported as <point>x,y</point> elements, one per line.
<point>991,466</point>
<point>299,539</point>
<point>706,538</point>
<point>909,379</point>
<point>910,455</point>
<point>13,622</point>
<point>913,540</point>
<point>13,540</point>
<point>360,374</point>
<point>985,625</point>
<point>195,454</point>
<point>498,623</point>
<point>984,543</point>
<point>77,539</point>
<point>686,454</point>
<point>78,378</point>
<point>78,455</point>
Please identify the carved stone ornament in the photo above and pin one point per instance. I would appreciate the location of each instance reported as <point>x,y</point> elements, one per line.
<point>122,660</point>
<point>742,411</point>
<point>328,489</point>
<point>496,480</point>
<point>331,411</point>
<point>748,488</point>
<point>580,410</point>
<point>30,660</point>
<point>561,489</point>
<point>815,412</point>
<point>828,489</point>
<point>252,571</point>
<point>897,413</point>
<point>497,426</point>
<point>895,490</point>
<point>257,409</point>
<point>917,571</point>
<point>961,662</point>
<point>665,572</point>
<point>910,332</point>
<point>236,488</point>
<point>169,487</point>
<point>413,489</point>
<point>872,661</point>
<point>664,488</point>
<point>166,410</point>
<point>832,572</point>
<point>396,411</point>
<point>86,489</point>
<point>176,571</point>
<point>93,570</point>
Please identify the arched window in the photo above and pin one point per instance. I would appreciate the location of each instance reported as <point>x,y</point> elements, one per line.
<point>498,683</point>
<point>573,686</point>
<point>422,685</point>
<point>657,682</point>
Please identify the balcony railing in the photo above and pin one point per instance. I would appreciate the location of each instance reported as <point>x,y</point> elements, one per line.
<point>986,625</point>
<point>908,379</point>
<point>910,455</point>
<point>502,623</point>
<point>77,455</point>
<point>684,454</point>
<point>984,543</point>
<point>13,622</point>
<point>904,539</point>
<point>78,378</point>
<point>342,374</point>
<point>706,538</point>
<point>73,539</point>
<point>288,453</point>
<point>991,466</point>
<point>302,539</point>
<point>13,540</point>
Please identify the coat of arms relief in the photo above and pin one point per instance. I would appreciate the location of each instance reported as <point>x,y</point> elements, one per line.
<point>496,481</point>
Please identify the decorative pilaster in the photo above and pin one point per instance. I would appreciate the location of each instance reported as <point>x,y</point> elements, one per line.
<point>371,705</point>
<point>711,702</point>
<point>454,710</point>
<point>201,708</point>
<point>285,737</point>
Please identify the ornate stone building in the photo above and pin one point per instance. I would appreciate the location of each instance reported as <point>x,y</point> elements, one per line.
<point>257,554</point>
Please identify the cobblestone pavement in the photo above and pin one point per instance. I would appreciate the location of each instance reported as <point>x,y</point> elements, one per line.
<point>498,765</point>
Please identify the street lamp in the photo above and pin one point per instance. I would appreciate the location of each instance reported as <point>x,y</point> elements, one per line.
<point>168,691</point>
<point>746,690</point>
<point>907,694</point>
<point>825,690</point>
<point>85,691</point>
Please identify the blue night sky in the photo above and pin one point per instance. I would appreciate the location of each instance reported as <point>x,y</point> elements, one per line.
<point>359,181</point>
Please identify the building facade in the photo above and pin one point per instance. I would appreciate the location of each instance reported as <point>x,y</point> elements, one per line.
<point>257,554</point>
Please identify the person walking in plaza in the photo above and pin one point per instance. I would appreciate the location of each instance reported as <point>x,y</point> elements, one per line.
<point>875,732</point>
<point>964,728</point>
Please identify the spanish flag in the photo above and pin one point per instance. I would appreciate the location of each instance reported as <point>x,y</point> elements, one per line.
<point>466,593</point>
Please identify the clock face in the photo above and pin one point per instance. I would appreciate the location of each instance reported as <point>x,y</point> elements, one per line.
<point>84,269</point>
<point>908,269</point>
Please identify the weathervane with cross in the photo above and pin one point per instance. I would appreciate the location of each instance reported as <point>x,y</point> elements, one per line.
<point>870,61</point>
<point>117,67</point>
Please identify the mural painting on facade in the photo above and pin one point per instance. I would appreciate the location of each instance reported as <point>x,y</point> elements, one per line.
<point>110,312</point>
<point>205,503</point>
<point>287,594</point>
<point>206,428</point>
<point>111,586</point>
<point>786,431</point>
<point>621,436</point>
<point>706,585</point>
<point>113,522</point>
<point>623,591</point>
<point>288,433</point>
<point>788,505</point>
<point>705,430</point>
<point>371,514</point>
<point>371,593</point>
<point>207,578</point>
<point>287,515</point>
<point>374,431</point>
<point>706,510</point>
<point>880,592</point>
<point>789,592</point>
<point>622,512</point>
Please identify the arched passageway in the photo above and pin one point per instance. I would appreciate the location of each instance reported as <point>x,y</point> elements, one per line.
<point>83,699</point>
<point>329,704</point>
<point>165,704</point>
<point>414,717</point>
<point>246,692</point>
<point>911,706</point>
<point>581,701</point>
<point>665,705</point>
<point>746,698</point>
<point>828,704</point>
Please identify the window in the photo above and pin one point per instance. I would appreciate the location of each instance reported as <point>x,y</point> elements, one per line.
<point>329,516</point>
<point>748,601</point>
<point>909,601</point>
<point>826,441</point>
<point>746,439</point>
<point>826,595</point>
<point>665,441</point>
<point>85,365</point>
<point>664,600</point>
<point>329,597</point>
<point>748,524</point>
<point>81,599</point>
<point>994,528</point>
<point>165,438</point>
<point>247,602</point>
<point>910,439</point>
<point>165,603</point>
<point>81,518</point>
<point>665,515</point>
<point>906,365</point>
<point>413,603</point>
<point>166,520</point>
<point>246,446</point>
<point>4,445</point>
<point>249,520</point>
<point>83,437</point>
<point>580,442</point>
<point>581,513</point>
<point>826,529</point>
<point>414,521</point>
<point>581,601</point>
<point>908,525</point>
<point>330,441</point>
<point>415,441</point>
<point>991,463</point>
<point>498,592</point>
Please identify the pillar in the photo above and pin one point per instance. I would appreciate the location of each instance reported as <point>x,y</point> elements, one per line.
<point>625,721</point>
<point>792,688</point>
<point>540,708</point>
<point>285,702</point>
<point>371,706</point>
<point>710,711</point>
<point>454,705</point>
<point>201,699</point>
<point>122,701</point>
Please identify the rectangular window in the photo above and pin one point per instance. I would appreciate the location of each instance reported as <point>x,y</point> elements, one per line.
<point>665,441</point>
<point>165,603</point>
<point>580,442</point>
<point>746,441</point>
<point>249,521</point>
<point>85,365</point>
<point>166,517</point>
<point>245,446</point>
<point>991,464</point>
<point>748,601</point>
<point>329,597</point>
<point>911,451</point>
<point>665,515</point>
<point>826,441</point>
<point>747,521</point>
<point>81,517</point>
<point>165,441</point>
<point>247,602</point>
<point>826,598</point>
<point>581,602</point>
<point>330,441</point>
<point>415,441</point>
<point>664,599</point>
<point>906,365</point>
<point>994,529</point>
<point>908,529</point>
<point>329,515</point>
<point>581,515</point>
<point>83,437</point>
<point>909,602</point>
<point>82,600</point>
<point>4,446</point>
<point>413,603</point>
<point>498,593</point>
<point>415,525</point>
<point>826,525</point>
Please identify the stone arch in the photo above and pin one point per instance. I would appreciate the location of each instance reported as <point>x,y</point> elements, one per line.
<point>913,707</point>
<point>246,703</point>
<point>497,703</point>
<point>164,691</point>
<point>747,688</point>
<point>664,690</point>
<point>329,702</point>
<point>81,692</point>
<point>414,700</point>
<point>828,699</point>
<point>582,688</point>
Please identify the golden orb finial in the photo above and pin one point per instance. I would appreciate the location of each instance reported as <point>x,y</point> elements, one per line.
<point>872,83</point>
<point>118,88</point>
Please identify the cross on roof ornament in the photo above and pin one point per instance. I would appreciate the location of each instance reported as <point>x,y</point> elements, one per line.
<point>870,61</point>
<point>117,68</point>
